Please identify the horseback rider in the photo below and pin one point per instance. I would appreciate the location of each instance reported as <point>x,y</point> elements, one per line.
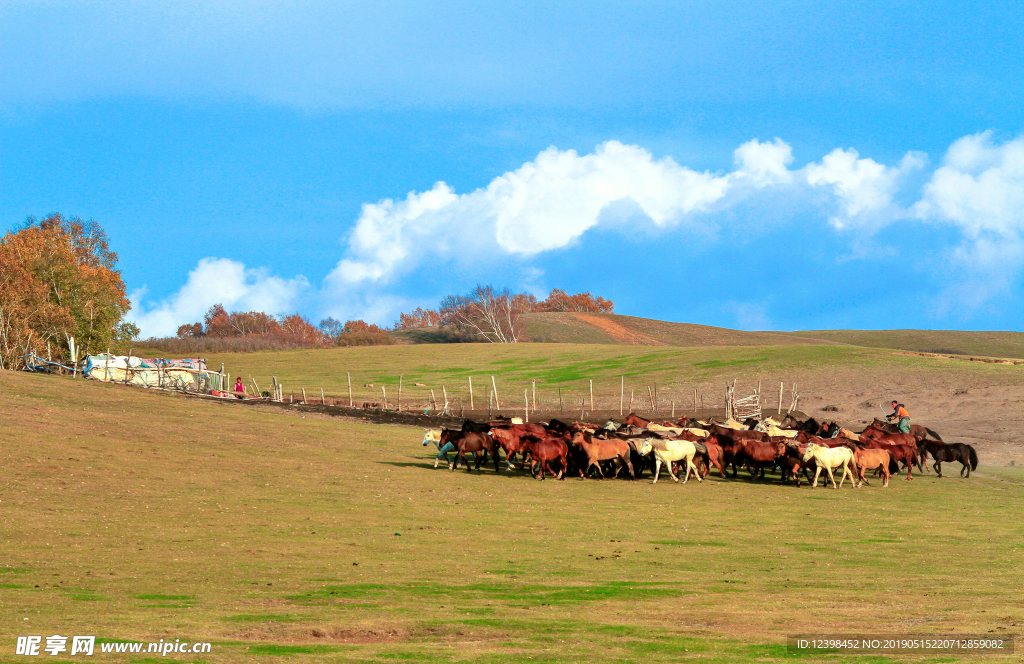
<point>900,414</point>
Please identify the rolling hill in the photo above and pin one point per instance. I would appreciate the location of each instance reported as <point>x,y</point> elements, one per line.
<point>588,328</point>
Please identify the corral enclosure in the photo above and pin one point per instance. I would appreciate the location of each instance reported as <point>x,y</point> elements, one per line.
<point>137,515</point>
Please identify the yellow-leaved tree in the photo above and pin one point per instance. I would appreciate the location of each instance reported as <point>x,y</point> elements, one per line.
<point>59,279</point>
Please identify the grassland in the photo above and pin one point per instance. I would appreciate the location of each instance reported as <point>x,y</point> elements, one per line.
<point>139,516</point>
<point>824,370</point>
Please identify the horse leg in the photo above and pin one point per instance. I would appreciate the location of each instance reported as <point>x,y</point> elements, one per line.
<point>817,472</point>
<point>845,468</point>
<point>671,471</point>
<point>910,468</point>
<point>629,465</point>
<point>832,477</point>
<point>657,469</point>
<point>885,475</point>
<point>689,465</point>
<point>938,468</point>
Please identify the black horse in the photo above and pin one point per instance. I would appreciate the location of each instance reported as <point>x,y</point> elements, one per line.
<point>470,426</point>
<point>940,452</point>
<point>810,425</point>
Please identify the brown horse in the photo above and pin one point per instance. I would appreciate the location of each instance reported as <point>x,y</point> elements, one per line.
<point>511,441</point>
<point>791,455</point>
<point>758,456</point>
<point>709,453</point>
<point>480,444</point>
<point>905,454</point>
<point>918,431</point>
<point>879,430</point>
<point>545,450</point>
<point>635,420</point>
<point>870,460</point>
<point>749,434</point>
<point>598,450</point>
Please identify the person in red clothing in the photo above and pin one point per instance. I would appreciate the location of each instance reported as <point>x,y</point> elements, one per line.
<point>239,388</point>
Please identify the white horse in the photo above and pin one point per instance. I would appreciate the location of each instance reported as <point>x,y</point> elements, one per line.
<point>667,451</point>
<point>434,436</point>
<point>829,458</point>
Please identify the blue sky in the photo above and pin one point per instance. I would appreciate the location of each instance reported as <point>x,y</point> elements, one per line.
<point>764,165</point>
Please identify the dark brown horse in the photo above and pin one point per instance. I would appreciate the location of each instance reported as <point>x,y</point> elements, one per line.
<point>759,455</point>
<point>480,444</point>
<point>940,452</point>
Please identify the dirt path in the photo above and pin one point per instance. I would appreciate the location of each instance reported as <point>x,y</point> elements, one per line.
<point>618,332</point>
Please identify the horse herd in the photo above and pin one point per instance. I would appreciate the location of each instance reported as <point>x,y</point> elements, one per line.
<point>797,448</point>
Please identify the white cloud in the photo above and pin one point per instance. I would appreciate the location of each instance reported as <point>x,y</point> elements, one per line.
<point>546,204</point>
<point>549,203</point>
<point>864,188</point>
<point>213,281</point>
<point>980,190</point>
<point>979,187</point>
<point>765,163</point>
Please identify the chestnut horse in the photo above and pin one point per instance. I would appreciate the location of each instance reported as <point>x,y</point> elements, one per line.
<point>758,456</point>
<point>510,440</point>
<point>875,433</point>
<point>480,444</point>
<point>543,451</point>
<point>870,460</point>
<point>907,454</point>
<point>598,450</point>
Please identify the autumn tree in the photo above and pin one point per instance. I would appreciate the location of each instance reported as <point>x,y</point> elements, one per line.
<point>417,318</point>
<point>559,300</point>
<point>58,279</point>
<point>487,314</point>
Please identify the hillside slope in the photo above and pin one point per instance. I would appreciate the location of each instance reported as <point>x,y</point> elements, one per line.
<point>950,342</point>
<point>630,330</point>
<point>588,328</point>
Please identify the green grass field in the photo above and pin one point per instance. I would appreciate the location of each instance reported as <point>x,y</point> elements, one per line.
<point>569,367</point>
<point>139,516</point>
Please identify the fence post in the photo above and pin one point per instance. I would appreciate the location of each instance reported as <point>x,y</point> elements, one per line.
<point>535,396</point>
<point>622,392</point>
<point>384,391</point>
<point>471,393</point>
<point>303,396</point>
<point>526,410</point>
<point>399,407</point>
<point>497,399</point>
<point>591,394</point>
<point>323,402</point>
<point>650,393</point>
<point>349,375</point>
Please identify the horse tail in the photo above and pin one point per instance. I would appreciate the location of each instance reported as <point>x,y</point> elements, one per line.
<point>934,435</point>
<point>974,457</point>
